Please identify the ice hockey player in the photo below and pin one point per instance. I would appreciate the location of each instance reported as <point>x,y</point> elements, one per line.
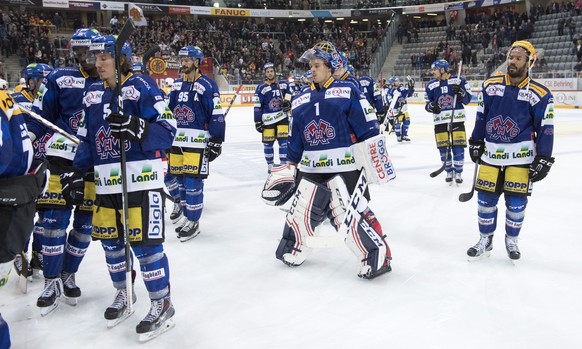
<point>60,101</point>
<point>195,102</point>
<point>168,82</point>
<point>513,140</point>
<point>146,127</point>
<point>22,180</point>
<point>397,107</point>
<point>34,75</point>
<point>323,134</point>
<point>441,93</point>
<point>21,85</point>
<point>272,102</point>
<point>370,89</point>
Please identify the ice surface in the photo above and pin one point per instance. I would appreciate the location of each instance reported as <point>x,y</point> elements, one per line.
<point>229,291</point>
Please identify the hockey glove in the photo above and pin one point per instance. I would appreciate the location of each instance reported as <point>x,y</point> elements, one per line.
<point>433,107</point>
<point>381,115</point>
<point>73,186</point>
<point>128,127</point>
<point>457,90</point>
<point>286,106</point>
<point>259,126</point>
<point>540,167</point>
<point>214,148</point>
<point>410,84</point>
<point>476,149</point>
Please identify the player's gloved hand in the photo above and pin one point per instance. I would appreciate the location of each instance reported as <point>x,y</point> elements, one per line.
<point>381,115</point>
<point>540,167</point>
<point>286,106</point>
<point>457,90</point>
<point>73,186</point>
<point>214,147</point>
<point>259,126</point>
<point>433,107</point>
<point>410,83</point>
<point>128,127</point>
<point>476,149</point>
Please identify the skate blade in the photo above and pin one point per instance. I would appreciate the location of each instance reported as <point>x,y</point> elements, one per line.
<point>23,283</point>
<point>382,271</point>
<point>186,238</point>
<point>69,300</point>
<point>115,322</point>
<point>485,254</point>
<point>166,326</point>
<point>44,311</point>
<point>37,273</point>
<point>178,220</point>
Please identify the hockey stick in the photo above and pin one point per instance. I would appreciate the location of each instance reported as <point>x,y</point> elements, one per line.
<point>148,55</point>
<point>449,130</point>
<point>23,277</point>
<point>48,124</point>
<point>350,216</point>
<point>232,100</point>
<point>390,107</point>
<point>123,36</point>
<point>464,197</point>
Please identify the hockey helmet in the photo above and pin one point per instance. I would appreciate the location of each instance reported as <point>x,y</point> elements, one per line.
<point>351,69</point>
<point>440,63</point>
<point>22,81</point>
<point>83,37</point>
<point>169,82</point>
<point>36,71</point>
<point>3,84</point>
<point>137,68</point>
<point>393,80</point>
<point>106,43</point>
<point>268,65</point>
<point>192,52</point>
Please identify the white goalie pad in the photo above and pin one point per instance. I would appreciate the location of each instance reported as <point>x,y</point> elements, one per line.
<point>372,156</point>
<point>280,185</point>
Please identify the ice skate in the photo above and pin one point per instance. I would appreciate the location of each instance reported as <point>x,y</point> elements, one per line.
<point>449,177</point>
<point>48,300</point>
<point>176,214</point>
<point>458,178</point>
<point>118,310</point>
<point>70,290</point>
<point>20,263</point>
<point>189,231</point>
<point>367,273</point>
<point>511,247</point>
<point>405,138</point>
<point>482,248</point>
<point>36,264</point>
<point>157,321</point>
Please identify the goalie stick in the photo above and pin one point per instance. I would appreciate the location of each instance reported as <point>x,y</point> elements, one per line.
<point>464,197</point>
<point>449,129</point>
<point>350,218</point>
<point>122,38</point>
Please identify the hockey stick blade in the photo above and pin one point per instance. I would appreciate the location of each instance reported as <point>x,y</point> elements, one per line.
<point>437,172</point>
<point>126,31</point>
<point>464,197</point>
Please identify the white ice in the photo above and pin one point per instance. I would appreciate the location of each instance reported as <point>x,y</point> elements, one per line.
<point>229,291</point>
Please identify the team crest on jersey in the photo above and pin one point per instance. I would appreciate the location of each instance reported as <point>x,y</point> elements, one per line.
<point>319,132</point>
<point>93,97</point>
<point>70,82</point>
<point>338,92</point>
<point>275,103</point>
<point>446,102</point>
<point>106,144</point>
<point>130,93</point>
<point>183,114</point>
<point>75,120</point>
<point>502,128</point>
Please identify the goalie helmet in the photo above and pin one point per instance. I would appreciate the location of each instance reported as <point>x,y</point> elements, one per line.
<point>327,52</point>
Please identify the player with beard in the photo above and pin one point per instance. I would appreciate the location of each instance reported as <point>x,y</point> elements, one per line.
<point>512,140</point>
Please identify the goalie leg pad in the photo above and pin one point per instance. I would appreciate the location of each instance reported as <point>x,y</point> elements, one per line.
<point>368,243</point>
<point>339,200</point>
<point>280,185</point>
<point>308,210</point>
<point>372,156</point>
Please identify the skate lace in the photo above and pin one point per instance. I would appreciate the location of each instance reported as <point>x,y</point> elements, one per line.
<point>69,280</point>
<point>49,288</point>
<point>189,225</point>
<point>482,244</point>
<point>120,297</point>
<point>176,209</point>
<point>155,311</point>
<point>511,244</point>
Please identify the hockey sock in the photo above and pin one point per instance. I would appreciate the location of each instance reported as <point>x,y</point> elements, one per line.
<point>269,152</point>
<point>458,158</point>
<point>282,151</point>
<point>173,186</point>
<point>448,159</point>
<point>194,190</point>
<point>487,213</point>
<point>115,259</point>
<point>53,247</point>
<point>514,214</point>
<point>37,234</point>
<point>155,271</point>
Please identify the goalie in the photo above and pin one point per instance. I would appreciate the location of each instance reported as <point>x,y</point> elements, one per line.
<point>331,121</point>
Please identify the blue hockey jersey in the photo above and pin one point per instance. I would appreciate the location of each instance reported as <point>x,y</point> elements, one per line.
<point>197,110</point>
<point>268,101</point>
<point>400,104</point>
<point>516,122</point>
<point>439,91</point>
<point>60,101</point>
<point>326,122</point>
<point>25,99</point>
<point>99,149</point>
<point>15,146</point>
<point>372,92</point>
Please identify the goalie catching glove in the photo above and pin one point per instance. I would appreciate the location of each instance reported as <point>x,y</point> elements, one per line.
<point>128,127</point>
<point>280,185</point>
